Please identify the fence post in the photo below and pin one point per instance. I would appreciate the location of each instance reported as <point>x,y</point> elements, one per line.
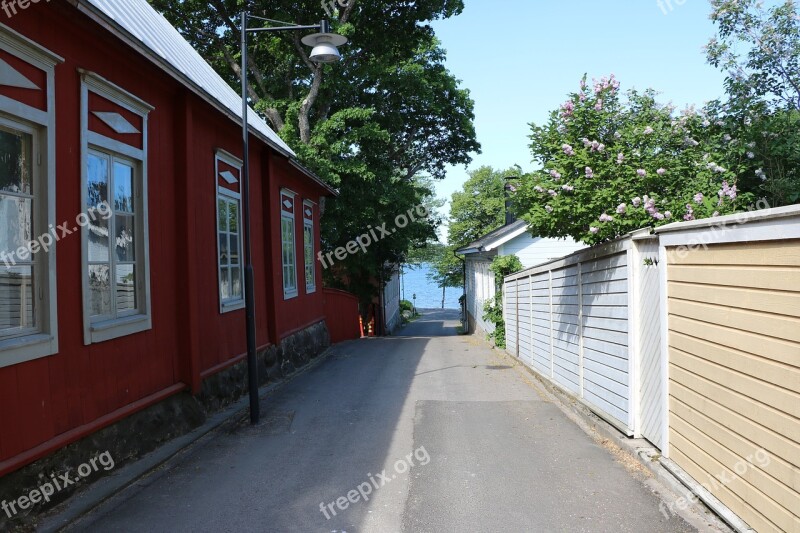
<point>552,348</point>
<point>580,327</point>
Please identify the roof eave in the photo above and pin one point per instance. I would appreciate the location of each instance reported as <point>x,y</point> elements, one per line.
<point>313,177</point>
<point>103,20</point>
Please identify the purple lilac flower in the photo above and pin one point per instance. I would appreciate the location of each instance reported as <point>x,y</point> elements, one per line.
<point>659,216</point>
<point>555,174</point>
<point>568,188</point>
<point>698,198</point>
<point>599,105</point>
<point>667,214</point>
<point>589,172</point>
<point>641,172</point>
<point>620,158</point>
<point>689,213</point>
<point>621,208</point>
<point>661,171</point>
<point>552,193</point>
<point>636,202</point>
<point>605,218</point>
<point>568,150</point>
<point>648,130</point>
<point>538,188</point>
<point>548,209</point>
<point>593,229</point>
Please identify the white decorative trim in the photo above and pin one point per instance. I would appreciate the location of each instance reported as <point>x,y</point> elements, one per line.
<point>110,91</point>
<point>11,77</point>
<point>21,349</point>
<point>230,304</point>
<point>122,325</point>
<point>116,122</point>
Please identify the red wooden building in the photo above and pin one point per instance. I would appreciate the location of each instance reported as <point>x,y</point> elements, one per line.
<point>120,224</point>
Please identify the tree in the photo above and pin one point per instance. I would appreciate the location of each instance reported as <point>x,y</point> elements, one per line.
<point>611,165</point>
<point>479,207</point>
<point>476,210</point>
<point>368,125</point>
<point>760,51</point>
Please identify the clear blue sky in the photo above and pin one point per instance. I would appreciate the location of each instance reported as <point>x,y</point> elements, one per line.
<point>520,59</point>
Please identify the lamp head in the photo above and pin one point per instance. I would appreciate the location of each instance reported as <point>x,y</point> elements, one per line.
<point>324,45</point>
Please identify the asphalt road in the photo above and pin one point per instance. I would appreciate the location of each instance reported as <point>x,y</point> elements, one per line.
<point>428,431</point>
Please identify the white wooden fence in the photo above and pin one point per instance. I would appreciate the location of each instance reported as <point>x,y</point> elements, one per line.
<point>589,322</point>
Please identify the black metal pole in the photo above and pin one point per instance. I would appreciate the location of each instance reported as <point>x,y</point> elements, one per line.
<point>249,289</point>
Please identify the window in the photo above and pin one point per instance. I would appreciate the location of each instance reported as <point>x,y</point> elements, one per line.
<point>28,321</point>
<point>229,232</point>
<point>308,246</point>
<point>19,313</point>
<point>288,251</point>
<point>115,235</point>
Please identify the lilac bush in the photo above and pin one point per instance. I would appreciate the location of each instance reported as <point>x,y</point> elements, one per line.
<point>613,163</point>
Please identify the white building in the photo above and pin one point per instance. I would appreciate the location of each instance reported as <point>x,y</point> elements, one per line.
<point>510,239</point>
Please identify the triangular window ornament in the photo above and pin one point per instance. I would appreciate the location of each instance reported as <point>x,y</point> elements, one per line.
<point>116,122</point>
<point>228,176</point>
<point>10,77</point>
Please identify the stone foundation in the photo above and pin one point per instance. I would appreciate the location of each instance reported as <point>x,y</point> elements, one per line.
<point>141,433</point>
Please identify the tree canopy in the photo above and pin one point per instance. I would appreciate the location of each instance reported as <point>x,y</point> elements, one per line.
<point>370,125</point>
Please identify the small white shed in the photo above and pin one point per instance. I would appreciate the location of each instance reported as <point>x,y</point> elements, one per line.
<point>509,239</point>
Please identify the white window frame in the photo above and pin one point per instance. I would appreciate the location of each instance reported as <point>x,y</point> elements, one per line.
<point>229,304</point>
<point>309,263</point>
<point>289,291</point>
<point>43,341</point>
<point>127,323</point>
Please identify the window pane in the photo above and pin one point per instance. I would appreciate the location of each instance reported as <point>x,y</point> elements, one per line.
<point>16,224</point>
<point>236,282</point>
<point>233,217</point>
<point>15,161</point>
<point>16,299</point>
<point>224,257</point>
<point>234,249</point>
<point>97,180</point>
<point>98,240</point>
<point>222,205</point>
<point>99,290</point>
<point>126,288</point>
<point>224,286</point>
<point>123,187</point>
<point>124,237</point>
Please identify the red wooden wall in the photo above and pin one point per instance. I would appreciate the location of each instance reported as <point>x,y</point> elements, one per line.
<point>341,311</point>
<point>49,402</point>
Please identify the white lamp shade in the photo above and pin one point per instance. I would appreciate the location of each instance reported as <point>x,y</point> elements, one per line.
<point>324,47</point>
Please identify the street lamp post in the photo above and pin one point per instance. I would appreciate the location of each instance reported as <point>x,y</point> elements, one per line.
<point>324,50</point>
